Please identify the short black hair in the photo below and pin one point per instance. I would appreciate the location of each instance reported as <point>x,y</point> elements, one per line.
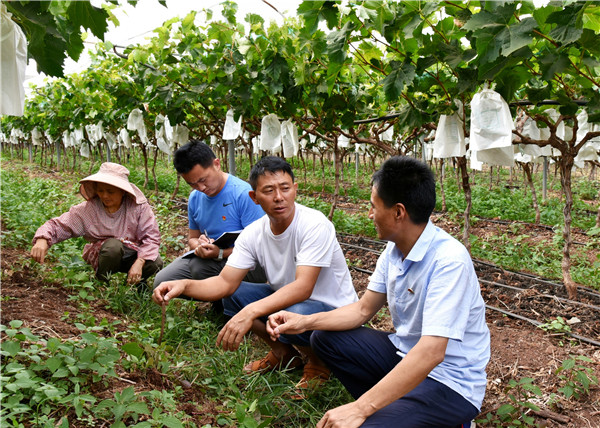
<point>194,152</point>
<point>405,180</point>
<point>270,164</point>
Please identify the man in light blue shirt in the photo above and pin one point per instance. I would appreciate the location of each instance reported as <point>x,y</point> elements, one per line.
<point>431,370</point>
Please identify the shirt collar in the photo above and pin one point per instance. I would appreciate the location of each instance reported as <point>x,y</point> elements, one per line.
<point>418,251</point>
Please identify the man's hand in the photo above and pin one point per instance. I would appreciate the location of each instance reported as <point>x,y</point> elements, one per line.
<point>232,334</point>
<point>135,272</point>
<point>39,250</point>
<point>346,416</point>
<point>206,250</point>
<point>168,290</point>
<point>285,322</point>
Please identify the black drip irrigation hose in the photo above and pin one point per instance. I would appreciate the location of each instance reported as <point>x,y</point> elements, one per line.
<point>539,226</point>
<point>548,296</point>
<point>537,324</point>
<point>586,290</point>
<point>580,288</point>
<point>371,250</point>
<point>517,316</point>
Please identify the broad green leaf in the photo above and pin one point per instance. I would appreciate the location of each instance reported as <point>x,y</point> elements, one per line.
<point>401,76</point>
<point>126,395</point>
<point>552,64</point>
<point>538,94</point>
<point>591,19</point>
<point>333,71</point>
<point>53,363</point>
<point>569,24</point>
<point>51,391</point>
<point>467,81</point>
<point>337,43</point>
<point>489,70</point>
<point>15,324</point>
<point>369,52</point>
<point>87,354</point>
<point>11,347</point>
<point>118,411</point>
<point>187,23</point>
<point>134,349</point>
<point>410,29</point>
<point>61,372</point>
<point>171,421</point>
<point>518,36</point>
<point>89,337</point>
<point>380,14</point>
<point>590,41</point>
<point>505,409</point>
<point>83,13</point>
<point>510,80</point>
<point>139,407</point>
<point>314,11</point>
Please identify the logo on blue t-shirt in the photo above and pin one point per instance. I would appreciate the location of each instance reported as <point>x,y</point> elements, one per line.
<point>224,204</point>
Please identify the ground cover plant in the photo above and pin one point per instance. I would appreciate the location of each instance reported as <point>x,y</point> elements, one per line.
<point>77,353</point>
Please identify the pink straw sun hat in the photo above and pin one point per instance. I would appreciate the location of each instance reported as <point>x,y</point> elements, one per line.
<point>115,175</point>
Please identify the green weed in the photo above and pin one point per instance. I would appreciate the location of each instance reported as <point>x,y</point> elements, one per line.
<point>515,413</point>
<point>576,379</point>
<point>557,325</point>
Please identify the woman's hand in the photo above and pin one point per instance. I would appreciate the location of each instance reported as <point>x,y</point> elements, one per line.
<point>39,250</point>
<point>135,272</point>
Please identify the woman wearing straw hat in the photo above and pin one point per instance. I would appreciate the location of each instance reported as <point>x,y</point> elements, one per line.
<point>115,219</point>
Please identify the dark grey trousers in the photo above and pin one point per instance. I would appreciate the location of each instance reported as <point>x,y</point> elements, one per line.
<point>115,257</point>
<point>193,267</point>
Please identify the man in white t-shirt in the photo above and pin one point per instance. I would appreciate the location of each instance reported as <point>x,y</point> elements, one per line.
<point>305,267</point>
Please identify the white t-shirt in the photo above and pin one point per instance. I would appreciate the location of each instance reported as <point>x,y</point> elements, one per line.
<point>308,241</point>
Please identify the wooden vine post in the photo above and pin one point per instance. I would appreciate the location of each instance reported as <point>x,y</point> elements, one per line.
<point>464,173</point>
<point>338,162</point>
<point>568,150</point>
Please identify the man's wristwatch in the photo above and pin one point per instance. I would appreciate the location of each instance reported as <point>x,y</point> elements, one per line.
<point>220,255</point>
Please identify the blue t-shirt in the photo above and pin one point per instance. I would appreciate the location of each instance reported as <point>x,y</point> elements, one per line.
<point>230,210</point>
<point>434,291</point>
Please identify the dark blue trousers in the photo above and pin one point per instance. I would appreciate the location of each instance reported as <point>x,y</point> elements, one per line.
<point>360,358</point>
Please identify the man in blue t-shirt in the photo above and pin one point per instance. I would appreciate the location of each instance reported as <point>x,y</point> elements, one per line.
<point>430,372</point>
<point>219,203</point>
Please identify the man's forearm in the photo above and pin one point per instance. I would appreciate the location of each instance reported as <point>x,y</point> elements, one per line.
<point>344,318</point>
<point>206,290</point>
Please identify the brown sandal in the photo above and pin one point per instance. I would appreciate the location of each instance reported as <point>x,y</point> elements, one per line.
<point>270,362</point>
<point>312,377</point>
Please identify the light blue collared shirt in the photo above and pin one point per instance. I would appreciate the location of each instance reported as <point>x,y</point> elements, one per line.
<point>434,291</point>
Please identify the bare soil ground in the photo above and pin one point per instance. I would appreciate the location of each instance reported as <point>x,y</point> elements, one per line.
<point>519,349</point>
